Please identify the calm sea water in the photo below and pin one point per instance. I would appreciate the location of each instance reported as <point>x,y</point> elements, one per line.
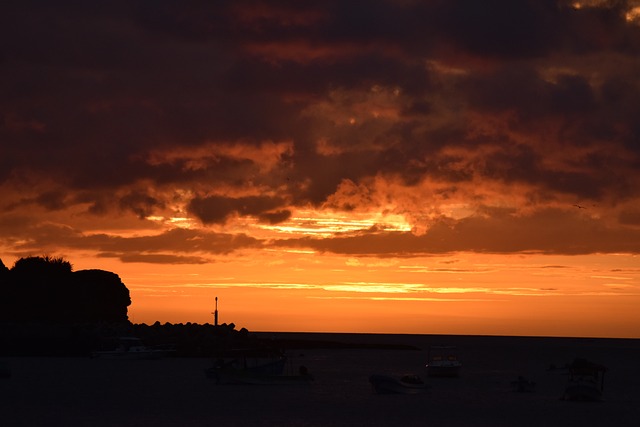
<point>175,391</point>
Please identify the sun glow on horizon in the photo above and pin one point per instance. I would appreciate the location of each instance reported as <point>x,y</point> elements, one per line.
<point>329,223</point>
<point>442,291</point>
<point>300,284</point>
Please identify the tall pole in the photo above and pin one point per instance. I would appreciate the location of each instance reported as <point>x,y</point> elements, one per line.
<point>215,314</point>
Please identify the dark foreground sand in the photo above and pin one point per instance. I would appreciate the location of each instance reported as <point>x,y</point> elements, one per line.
<point>175,391</point>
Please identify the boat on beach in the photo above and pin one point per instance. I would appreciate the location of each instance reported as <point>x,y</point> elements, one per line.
<point>442,361</point>
<point>129,348</point>
<point>585,382</point>
<point>407,384</point>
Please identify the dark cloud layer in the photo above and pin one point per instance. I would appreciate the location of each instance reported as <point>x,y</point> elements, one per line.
<point>221,110</point>
<point>551,232</point>
<point>218,209</point>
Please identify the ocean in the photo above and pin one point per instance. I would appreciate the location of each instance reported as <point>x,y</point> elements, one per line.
<point>176,392</point>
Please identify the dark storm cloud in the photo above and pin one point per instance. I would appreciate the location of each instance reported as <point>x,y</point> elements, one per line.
<point>178,240</point>
<point>156,258</point>
<point>523,88</point>
<point>140,203</point>
<point>49,200</point>
<point>48,237</point>
<point>216,209</point>
<point>93,95</point>
<point>630,217</point>
<point>502,28</point>
<point>274,217</point>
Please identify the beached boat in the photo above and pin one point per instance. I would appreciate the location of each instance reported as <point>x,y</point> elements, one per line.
<point>585,382</point>
<point>129,348</point>
<point>256,366</point>
<point>443,362</point>
<point>407,384</point>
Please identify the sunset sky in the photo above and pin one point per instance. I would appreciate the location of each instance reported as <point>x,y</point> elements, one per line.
<point>436,167</point>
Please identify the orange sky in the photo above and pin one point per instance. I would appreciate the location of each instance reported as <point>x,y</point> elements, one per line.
<point>451,167</point>
<point>465,293</point>
<point>461,294</point>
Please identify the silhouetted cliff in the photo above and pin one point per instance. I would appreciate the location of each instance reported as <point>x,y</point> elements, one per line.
<point>46,290</point>
<point>47,309</point>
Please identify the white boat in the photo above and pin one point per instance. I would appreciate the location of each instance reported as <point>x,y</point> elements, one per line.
<point>407,384</point>
<point>130,348</point>
<point>443,362</point>
<point>585,382</point>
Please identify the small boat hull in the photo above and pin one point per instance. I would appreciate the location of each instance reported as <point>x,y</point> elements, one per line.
<point>255,366</point>
<point>410,384</point>
<point>251,378</point>
<point>586,381</point>
<point>522,385</point>
<point>582,393</point>
<point>130,348</point>
<point>443,371</point>
<point>130,355</point>
<point>443,362</point>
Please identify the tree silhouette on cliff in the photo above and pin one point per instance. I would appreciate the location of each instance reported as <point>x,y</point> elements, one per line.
<point>46,289</point>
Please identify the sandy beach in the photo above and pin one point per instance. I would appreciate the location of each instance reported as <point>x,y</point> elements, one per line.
<point>175,391</point>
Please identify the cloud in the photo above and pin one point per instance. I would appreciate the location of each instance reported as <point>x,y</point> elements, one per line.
<point>549,232</point>
<point>217,210</point>
<point>448,113</point>
<point>156,258</point>
<point>168,245</point>
<point>630,217</point>
<point>142,204</point>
